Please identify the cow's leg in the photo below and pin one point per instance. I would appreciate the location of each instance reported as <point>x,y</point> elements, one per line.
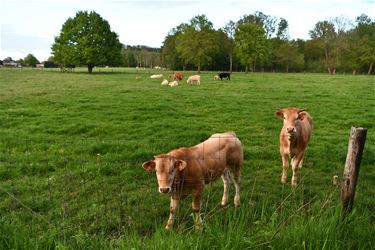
<point>172,210</point>
<point>301,161</point>
<point>236,177</point>
<point>225,178</point>
<point>196,205</point>
<point>295,162</point>
<point>285,167</point>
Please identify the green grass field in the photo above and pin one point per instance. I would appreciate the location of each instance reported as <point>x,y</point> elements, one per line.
<point>72,146</point>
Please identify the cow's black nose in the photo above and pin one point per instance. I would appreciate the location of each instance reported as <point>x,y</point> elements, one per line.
<point>164,190</point>
<point>290,130</point>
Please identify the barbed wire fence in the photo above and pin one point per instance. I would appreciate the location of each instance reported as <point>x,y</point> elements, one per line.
<point>94,200</point>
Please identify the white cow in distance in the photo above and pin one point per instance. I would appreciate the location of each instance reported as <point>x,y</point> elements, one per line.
<point>173,84</point>
<point>194,78</point>
<point>156,76</point>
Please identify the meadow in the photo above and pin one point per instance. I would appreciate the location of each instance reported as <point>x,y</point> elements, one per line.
<point>72,146</point>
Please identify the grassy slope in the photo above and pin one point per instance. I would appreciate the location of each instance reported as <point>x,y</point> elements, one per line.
<point>72,146</point>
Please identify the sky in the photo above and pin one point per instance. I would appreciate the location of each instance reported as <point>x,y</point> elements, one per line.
<point>30,26</point>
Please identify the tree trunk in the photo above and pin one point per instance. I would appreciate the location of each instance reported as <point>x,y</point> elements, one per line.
<point>370,68</point>
<point>329,70</point>
<point>334,71</point>
<point>287,68</point>
<point>199,67</point>
<point>254,64</point>
<point>354,71</point>
<point>231,63</point>
<point>90,67</point>
<point>247,69</point>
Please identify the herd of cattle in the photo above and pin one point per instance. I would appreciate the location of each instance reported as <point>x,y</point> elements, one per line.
<point>177,76</point>
<point>186,170</point>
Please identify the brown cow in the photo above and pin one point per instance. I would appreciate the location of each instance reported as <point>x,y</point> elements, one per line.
<point>294,137</point>
<point>178,76</point>
<point>185,171</point>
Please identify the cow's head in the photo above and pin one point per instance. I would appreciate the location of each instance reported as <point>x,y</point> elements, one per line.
<point>166,167</point>
<point>291,118</point>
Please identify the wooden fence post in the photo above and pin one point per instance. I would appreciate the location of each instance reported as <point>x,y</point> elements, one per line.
<point>353,161</point>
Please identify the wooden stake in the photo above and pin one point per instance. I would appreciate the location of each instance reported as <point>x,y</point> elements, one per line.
<point>357,141</point>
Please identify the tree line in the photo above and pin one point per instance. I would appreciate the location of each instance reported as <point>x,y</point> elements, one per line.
<point>260,42</point>
<point>256,42</point>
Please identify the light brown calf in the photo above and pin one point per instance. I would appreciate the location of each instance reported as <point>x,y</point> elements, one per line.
<point>294,137</point>
<point>185,171</point>
<point>194,78</point>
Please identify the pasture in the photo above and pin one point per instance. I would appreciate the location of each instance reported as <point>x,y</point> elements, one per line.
<point>72,146</point>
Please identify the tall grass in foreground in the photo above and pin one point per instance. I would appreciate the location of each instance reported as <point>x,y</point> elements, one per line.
<point>72,145</point>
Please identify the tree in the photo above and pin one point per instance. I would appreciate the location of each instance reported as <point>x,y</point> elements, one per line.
<point>282,30</point>
<point>128,58</point>
<point>8,59</point>
<point>324,34</point>
<point>288,55</point>
<point>267,22</point>
<point>331,38</point>
<point>361,44</point>
<point>196,43</point>
<point>228,41</point>
<point>87,39</point>
<point>30,60</point>
<point>250,42</point>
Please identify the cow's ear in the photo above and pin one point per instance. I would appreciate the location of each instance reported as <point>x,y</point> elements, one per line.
<point>302,115</point>
<point>180,165</point>
<point>279,114</point>
<point>149,166</point>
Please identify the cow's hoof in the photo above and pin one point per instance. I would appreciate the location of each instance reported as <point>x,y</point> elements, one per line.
<point>283,180</point>
<point>237,202</point>
<point>198,226</point>
<point>294,182</point>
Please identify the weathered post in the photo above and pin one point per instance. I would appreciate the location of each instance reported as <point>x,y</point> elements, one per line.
<point>353,160</point>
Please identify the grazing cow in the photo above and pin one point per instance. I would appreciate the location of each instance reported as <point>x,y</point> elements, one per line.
<point>178,76</point>
<point>156,76</point>
<point>185,171</point>
<point>164,82</point>
<point>194,78</point>
<point>173,84</point>
<point>294,137</point>
<point>216,77</point>
<point>224,75</point>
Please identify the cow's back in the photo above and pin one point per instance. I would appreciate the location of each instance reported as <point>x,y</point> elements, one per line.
<point>221,150</point>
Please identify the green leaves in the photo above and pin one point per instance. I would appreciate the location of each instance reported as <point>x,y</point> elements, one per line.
<point>87,39</point>
<point>196,41</point>
<point>30,60</point>
<point>251,43</point>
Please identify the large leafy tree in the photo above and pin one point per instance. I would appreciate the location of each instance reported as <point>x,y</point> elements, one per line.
<point>325,36</point>
<point>251,43</point>
<point>361,44</point>
<point>169,51</point>
<point>330,36</point>
<point>196,43</point>
<point>87,39</point>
